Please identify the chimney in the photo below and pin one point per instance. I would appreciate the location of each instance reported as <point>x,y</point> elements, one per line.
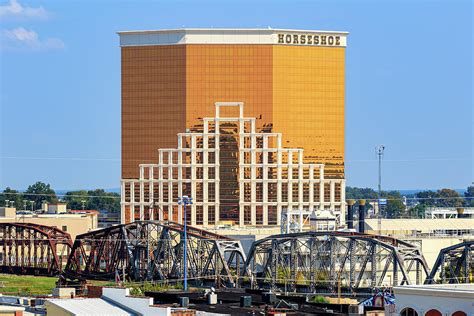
<point>361,216</point>
<point>460,211</point>
<point>350,214</point>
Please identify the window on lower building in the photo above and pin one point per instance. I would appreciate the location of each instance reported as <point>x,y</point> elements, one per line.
<point>408,312</point>
<point>433,312</point>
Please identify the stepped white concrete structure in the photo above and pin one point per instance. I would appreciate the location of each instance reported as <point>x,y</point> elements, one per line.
<point>226,164</point>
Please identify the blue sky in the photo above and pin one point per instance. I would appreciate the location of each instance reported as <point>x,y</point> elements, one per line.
<point>408,84</point>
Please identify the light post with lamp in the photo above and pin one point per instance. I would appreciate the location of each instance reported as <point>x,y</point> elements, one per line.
<point>185,200</point>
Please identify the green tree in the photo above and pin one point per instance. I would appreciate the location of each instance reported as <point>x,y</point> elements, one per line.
<point>360,193</point>
<point>417,211</point>
<point>75,199</point>
<point>12,196</point>
<point>449,198</point>
<point>102,200</point>
<point>469,195</point>
<point>395,207</point>
<point>40,192</point>
<point>427,198</point>
<point>97,199</point>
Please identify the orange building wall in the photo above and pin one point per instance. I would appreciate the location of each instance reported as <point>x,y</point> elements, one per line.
<point>153,103</point>
<point>308,103</point>
<point>297,89</point>
<point>224,73</point>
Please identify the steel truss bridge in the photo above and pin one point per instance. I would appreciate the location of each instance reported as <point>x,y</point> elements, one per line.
<point>303,262</point>
<point>455,264</point>
<point>152,250</point>
<point>329,261</point>
<point>33,249</point>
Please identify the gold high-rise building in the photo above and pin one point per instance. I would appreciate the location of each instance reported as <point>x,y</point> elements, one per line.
<point>291,81</point>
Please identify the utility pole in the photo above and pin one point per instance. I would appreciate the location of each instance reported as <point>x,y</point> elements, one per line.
<point>379,151</point>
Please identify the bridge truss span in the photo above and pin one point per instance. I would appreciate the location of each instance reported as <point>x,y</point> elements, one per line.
<point>455,264</point>
<point>153,250</point>
<point>331,261</point>
<point>33,249</point>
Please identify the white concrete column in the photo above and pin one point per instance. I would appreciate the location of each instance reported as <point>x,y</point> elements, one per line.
<point>265,180</point>
<point>132,201</point>
<point>241,172</point>
<point>193,179</point>
<point>279,179</point>
<point>205,176</point>
<point>160,180</point>
<point>217,168</point>
<point>321,187</point>
<point>311,188</point>
<point>151,194</point>
<point>343,202</point>
<point>170,190</point>
<point>122,202</point>
<point>253,161</point>
<point>141,193</point>
<point>300,179</point>
<point>332,193</point>
<point>290,180</point>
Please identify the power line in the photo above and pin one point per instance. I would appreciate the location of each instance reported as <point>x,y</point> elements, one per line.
<point>59,158</point>
<point>118,197</point>
<point>140,160</point>
<point>68,195</point>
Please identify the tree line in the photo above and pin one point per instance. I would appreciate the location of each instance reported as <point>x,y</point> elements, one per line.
<point>99,199</point>
<point>40,192</point>
<point>416,203</point>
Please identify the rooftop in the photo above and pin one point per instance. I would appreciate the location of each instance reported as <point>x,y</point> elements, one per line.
<point>228,31</point>
<point>89,306</point>
<point>233,36</point>
<point>465,290</point>
<point>424,225</point>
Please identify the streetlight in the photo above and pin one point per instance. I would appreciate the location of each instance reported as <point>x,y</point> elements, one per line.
<point>185,200</point>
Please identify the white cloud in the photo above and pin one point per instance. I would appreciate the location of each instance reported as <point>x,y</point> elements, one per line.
<point>15,9</point>
<point>21,38</point>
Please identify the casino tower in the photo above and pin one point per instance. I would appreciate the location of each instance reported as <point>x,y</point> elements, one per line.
<point>280,82</point>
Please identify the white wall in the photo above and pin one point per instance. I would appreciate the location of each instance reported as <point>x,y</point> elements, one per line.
<point>422,300</point>
<point>142,305</point>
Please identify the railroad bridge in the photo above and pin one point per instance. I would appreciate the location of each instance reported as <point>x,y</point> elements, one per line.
<point>153,250</point>
<point>455,264</point>
<point>313,261</point>
<point>33,249</point>
<point>302,262</point>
